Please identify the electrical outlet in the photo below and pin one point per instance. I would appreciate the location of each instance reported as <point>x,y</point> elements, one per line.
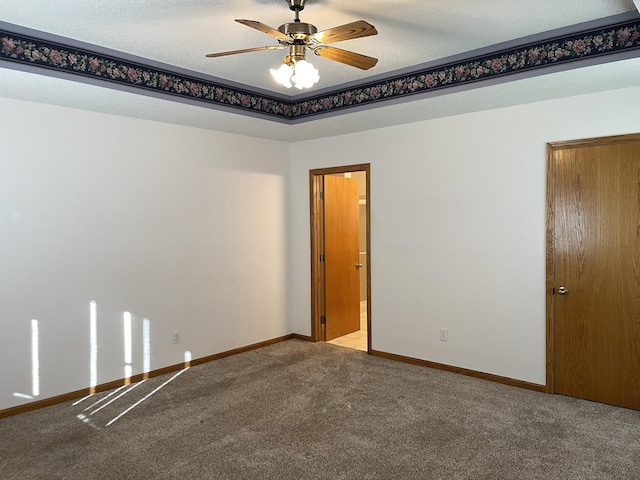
<point>444,335</point>
<point>176,336</point>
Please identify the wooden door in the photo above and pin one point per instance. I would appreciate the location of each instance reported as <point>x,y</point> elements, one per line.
<point>597,259</point>
<point>341,256</point>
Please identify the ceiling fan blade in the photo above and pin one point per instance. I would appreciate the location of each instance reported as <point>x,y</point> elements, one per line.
<point>344,56</point>
<point>345,32</point>
<point>264,28</point>
<point>246,50</point>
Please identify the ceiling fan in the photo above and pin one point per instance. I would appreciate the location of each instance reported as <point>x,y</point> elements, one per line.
<point>299,37</point>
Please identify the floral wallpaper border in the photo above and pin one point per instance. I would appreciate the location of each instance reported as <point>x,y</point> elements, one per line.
<point>57,56</point>
<point>598,42</point>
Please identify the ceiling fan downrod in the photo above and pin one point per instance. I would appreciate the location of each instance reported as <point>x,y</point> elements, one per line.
<point>298,30</point>
<point>297,6</point>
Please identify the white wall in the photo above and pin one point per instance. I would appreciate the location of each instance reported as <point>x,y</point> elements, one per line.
<point>186,227</point>
<point>458,228</point>
<point>208,233</point>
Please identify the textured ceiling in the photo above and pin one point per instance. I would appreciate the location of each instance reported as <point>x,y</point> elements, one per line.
<point>411,33</point>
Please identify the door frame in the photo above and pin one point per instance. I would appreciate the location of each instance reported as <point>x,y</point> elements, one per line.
<point>317,246</point>
<point>553,147</point>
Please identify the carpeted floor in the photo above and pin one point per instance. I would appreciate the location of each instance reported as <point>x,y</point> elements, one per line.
<point>298,410</point>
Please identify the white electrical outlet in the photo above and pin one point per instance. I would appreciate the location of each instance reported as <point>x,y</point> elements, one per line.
<point>176,336</point>
<point>444,335</point>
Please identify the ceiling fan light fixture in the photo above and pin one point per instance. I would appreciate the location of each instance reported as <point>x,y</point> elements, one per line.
<point>283,74</point>
<point>299,37</point>
<point>296,69</point>
<point>305,75</point>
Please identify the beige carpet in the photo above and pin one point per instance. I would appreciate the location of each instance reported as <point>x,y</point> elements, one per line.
<point>298,410</point>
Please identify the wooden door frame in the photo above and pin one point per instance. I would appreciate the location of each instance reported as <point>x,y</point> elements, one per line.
<point>317,246</point>
<point>553,147</point>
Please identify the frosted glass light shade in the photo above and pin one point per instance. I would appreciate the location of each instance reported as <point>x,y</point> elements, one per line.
<point>301,73</point>
<point>283,74</point>
<point>305,75</point>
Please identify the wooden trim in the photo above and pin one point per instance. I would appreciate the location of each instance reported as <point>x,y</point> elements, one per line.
<point>361,167</point>
<point>462,371</point>
<point>317,237</point>
<point>235,351</point>
<point>305,338</point>
<point>550,273</point>
<point>316,187</point>
<point>66,397</point>
<point>594,142</point>
<point>368,233</point>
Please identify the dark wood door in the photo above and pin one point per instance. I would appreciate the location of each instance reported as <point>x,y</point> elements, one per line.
<point>342,253</point>
<point>597,261</point>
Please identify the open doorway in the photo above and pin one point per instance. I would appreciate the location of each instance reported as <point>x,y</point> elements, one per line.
<point>340,256</point>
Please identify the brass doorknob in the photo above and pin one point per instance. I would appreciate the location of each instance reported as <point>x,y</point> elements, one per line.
<point>563,290</point>
<point>358,265</point>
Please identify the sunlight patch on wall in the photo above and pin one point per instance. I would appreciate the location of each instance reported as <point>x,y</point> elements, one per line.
<point>35,358</point>
<point>127,346</point>
<point>22,395</point>
<point>93,345</point>
<point>101,404</point>
<point>146,347</point>
<point>127,322</point>
<point>35,363</point>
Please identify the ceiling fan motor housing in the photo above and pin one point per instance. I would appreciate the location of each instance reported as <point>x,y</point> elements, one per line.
<point>298,30</point>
